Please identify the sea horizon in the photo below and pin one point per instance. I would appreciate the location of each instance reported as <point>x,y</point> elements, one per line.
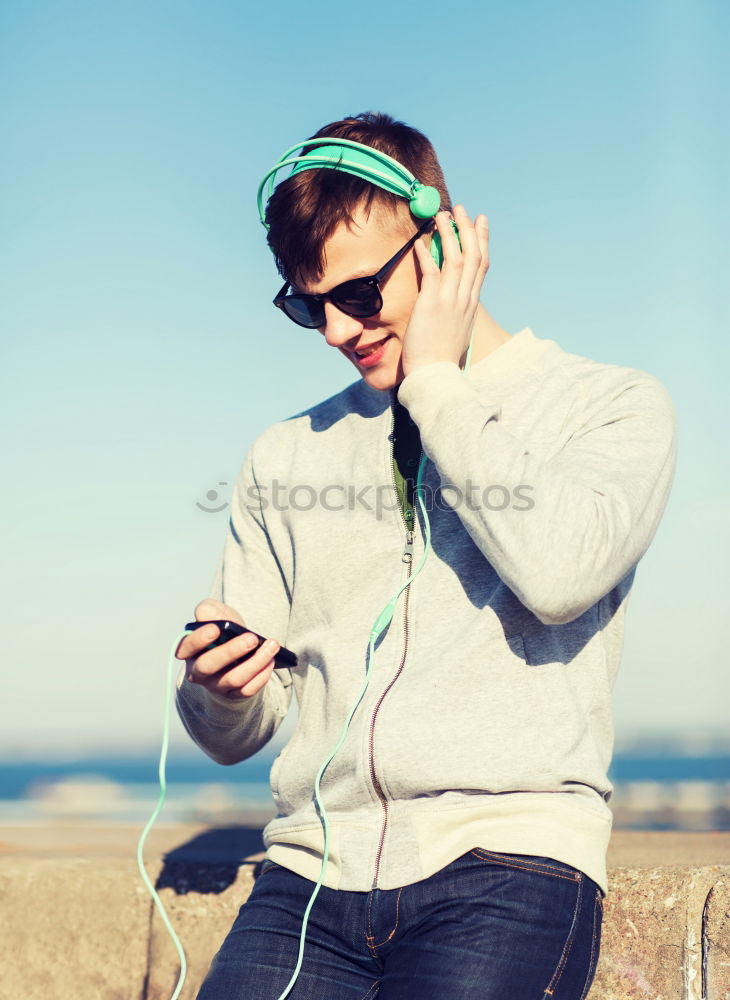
<point>655,786</point>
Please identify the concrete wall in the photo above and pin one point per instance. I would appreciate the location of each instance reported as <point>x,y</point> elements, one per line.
<point>85,927</point>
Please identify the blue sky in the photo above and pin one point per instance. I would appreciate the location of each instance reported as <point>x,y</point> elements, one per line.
<point>141,354</point>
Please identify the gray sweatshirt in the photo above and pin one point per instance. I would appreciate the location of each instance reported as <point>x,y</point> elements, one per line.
<point>487,720</point>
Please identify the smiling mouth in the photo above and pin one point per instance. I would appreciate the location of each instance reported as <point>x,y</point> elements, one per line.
<point>365,352</point>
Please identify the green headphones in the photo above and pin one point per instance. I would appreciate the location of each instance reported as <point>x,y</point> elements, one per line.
<point>370,165</point>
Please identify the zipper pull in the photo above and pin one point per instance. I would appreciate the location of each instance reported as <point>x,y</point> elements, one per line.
<point>408,551</point>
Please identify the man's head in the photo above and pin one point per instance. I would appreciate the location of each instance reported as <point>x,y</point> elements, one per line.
<point>327,226</point>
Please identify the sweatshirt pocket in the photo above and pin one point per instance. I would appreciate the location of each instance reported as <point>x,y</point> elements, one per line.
<point>492,716</point>
<point>469,720</point>
<point>274,774</point>
<point>280,773</point>
<point>321,717</point>
<point>571,698</point>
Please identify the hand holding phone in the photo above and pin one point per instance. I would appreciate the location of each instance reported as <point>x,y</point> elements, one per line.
<point>228,629</point>
<point>225,657</point>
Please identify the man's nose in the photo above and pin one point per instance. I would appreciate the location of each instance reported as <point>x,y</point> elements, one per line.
<point>340,328</point>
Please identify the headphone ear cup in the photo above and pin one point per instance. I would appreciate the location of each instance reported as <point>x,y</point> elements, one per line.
<point>436,247</point>
<point>437,250</point>
<point>425,201</point>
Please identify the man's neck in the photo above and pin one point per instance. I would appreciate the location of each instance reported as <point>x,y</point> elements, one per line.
<point>488,335</point>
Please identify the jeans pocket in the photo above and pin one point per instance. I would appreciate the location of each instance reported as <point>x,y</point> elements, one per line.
<point>595,943</point>
<point>530,862</point>
<point>266,865</point>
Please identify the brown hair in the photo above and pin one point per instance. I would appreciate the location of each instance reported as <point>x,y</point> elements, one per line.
<point>304,210</point>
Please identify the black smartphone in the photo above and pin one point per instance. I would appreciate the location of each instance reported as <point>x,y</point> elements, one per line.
<point>284,658</point>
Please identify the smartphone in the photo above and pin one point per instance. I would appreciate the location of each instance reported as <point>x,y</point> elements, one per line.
<point>284,658</point>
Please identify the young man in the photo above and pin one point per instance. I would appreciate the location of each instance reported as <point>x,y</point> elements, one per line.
<point>468,802</point>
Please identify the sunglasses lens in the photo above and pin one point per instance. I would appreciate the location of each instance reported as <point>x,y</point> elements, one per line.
<point>358,298</point>
<point>305,311</point>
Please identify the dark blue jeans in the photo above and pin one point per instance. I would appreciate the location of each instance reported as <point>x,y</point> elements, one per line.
<point>488,926</point>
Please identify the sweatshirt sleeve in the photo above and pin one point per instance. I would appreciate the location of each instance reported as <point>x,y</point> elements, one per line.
<point>593,508</point>
<point>249,578</point>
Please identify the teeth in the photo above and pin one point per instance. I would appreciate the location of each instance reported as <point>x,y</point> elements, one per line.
<point>372,350</point>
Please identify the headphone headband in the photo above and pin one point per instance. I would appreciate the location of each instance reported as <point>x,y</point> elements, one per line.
<point>362,161</point>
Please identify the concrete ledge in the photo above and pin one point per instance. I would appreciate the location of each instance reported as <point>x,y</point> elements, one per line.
<point>84,927</point>
<point>73,928</point>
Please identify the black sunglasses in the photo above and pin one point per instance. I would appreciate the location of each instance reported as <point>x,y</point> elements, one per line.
<point>358,297</point>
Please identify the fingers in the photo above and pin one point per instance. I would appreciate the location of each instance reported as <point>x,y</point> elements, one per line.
<point>482,230</point>
<point>195,642</point>
<point>248,677</point>
<point>212,661</point>
<point>429,267</point>
<point>225,656</point>
<point>209,609</point>
<point>464,270</point>
<point>453,263</point>
<point>443,316</point>
<point>206,610</point>
<point>253,686</point>
<point>216,669</point>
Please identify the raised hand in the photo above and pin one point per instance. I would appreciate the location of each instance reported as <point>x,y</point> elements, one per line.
<point>441,322</point>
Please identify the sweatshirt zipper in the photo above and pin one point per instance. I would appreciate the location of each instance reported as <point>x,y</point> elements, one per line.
<point>406,557</point>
